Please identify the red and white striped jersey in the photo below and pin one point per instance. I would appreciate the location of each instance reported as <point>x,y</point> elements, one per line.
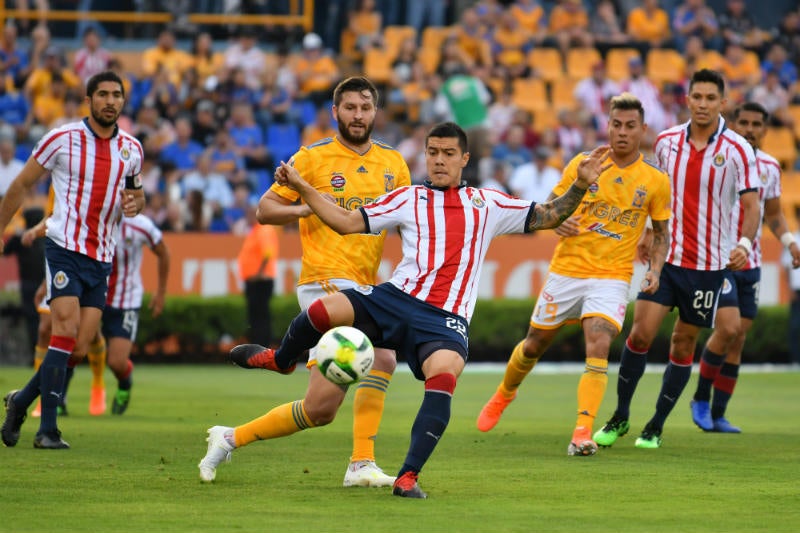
<point>125,287</point>
<point>705,188</point>
<point>88,175</point>
<point>445,236</point>
<point>769,174</point>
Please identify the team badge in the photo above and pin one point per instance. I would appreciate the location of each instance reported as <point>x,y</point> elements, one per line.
<point>593,188</point>
<point>338,181</point>
<point>478,202</point>
<point>60,280</point>
<point>125,154</point>
<point>727,287</point>
<point>719,160</point>
<point>388,180</point>
<point>638,198</point>
<point>763,178</point>
<point>364,289</point>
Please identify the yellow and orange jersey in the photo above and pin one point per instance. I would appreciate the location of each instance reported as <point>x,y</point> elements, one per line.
<point>354,180</point>
<point>613,215</point>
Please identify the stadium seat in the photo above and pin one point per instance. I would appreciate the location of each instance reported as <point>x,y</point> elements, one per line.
<point>347,46</point>
<point>710,59</point>
<point>790,196</point>
<point>305,110</point>
<point>131,61</point>
<point>664,65</point>
<point>780,143</point>
<point>617,60</point>
<point>433,37</point>
<point>580,62</point>
<point>545,119</point>
<point>283,140</point>
<point>562,94</point>
<point>547,63</point>
<point>378,65</point>
<point>529,94</point>
<point>393,37</point>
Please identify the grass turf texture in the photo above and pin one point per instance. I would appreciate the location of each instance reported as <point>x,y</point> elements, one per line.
<point>139,472</point>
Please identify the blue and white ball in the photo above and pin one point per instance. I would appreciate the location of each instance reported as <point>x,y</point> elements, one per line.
<point>344,355</point>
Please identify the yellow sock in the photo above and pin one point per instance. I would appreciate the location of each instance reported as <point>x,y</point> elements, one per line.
<point>367,412</point>
<point>97,360</point>
<point>591,389</point>
<point>281,421</point>
<point>517,368</point>
<point>38,356</point>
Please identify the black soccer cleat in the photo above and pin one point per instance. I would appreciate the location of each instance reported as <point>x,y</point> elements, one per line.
<point>406,486</point>
<point>50,441</point>
<point>13,422</point>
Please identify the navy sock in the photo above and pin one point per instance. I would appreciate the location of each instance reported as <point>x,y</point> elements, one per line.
<point>125,384</point>
<point>27,394</point>
<point>431,421</point>
<point>300,336</point>
<point>675,379</point>
<point>53,374</point>
<point>67,380</point>
<point>723,389</point>
<point>631,369</point>
<point>710,364</point>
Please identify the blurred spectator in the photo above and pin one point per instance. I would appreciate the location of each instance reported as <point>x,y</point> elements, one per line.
<point>694,17</point>
<point>738,26</point>
<point>775,99</point>
<point>471,38</point>
<point>155,131</point>
<point>489,12</point>
<point>531,16</point>
<point>286,77</point>
<point>156,208</point>
<point>236,214</point>
<point>420,14</point>
<point>497,178</point>
<point>206,61</point>
<point>570,132</point>
<point>10,166</point>
<point>648,25</point>
<point>248,137</point>
<point>698,57</point>
<point>247,57</point>
<point>412,148</point>
<point>226,158</point>
<point>214,186</point>
<point>606,28</point>
<point>164,57</point>
<point>317,73</point>
<point>535,180</point>
<point>162,94</point>
<point>385,130</point>
<point>512,150</point>
<point>14,108</point>
<point>569,25</point>
<point>501,113</point>
<point>40,79</point>
<point>524,120</point>
<point>594,92</point>
<point>789,34</point>
<point>204,124</point>
<point>236,89</point>
<point>777,59</point>
<point>741,70</point>
<point>366,23</point>
<point>673,100</point>
<point>453,60</point>
<point>510,43</point>
<point>14,62</point>
<point>276,102</point>
<point>645,90</point>
<point>463,99</point>
<point>183,152</point>
<point>92,58</point>
<point>198,214</point>
<point>320,129</point>
<point>39,43</point>
<point>48,106</point>
<point>151,175</point>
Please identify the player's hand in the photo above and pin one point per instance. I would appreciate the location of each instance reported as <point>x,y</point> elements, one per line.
<point>737,259</point>
<point>590,167</point>
<point>794,249</point>
<point>568,228</point>
<point>28,236</point>
<point>650,282</point>
<point>157,304</point>
<point>644,245</point>
<point>287,175</point>
<point>129,207</point>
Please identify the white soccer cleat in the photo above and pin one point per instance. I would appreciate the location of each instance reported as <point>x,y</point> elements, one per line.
<point>366,474</point>
<point>218,451</point>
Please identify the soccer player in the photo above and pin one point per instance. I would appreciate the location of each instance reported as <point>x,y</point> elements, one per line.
<point>354,169</point>
<point>591,269</point>
<point>719,363</point>
<point>708,165</point>
<point>94,167</point>
<point>425,308</point>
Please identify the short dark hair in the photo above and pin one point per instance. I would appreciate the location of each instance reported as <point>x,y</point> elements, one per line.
<point>755,107</point>
<point>627,101</point>
<point>97,79</point>
<point>707,75</point>
<point>357,84</point>
<point>448,130</point>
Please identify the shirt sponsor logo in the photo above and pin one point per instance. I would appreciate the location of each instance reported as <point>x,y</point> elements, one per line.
<point>597,227</point>
<point>338,181</point>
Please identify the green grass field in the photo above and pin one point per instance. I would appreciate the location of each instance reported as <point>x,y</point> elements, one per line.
<point>139,472</point>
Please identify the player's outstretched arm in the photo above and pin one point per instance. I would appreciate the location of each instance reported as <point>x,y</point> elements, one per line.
<point>276,210</point>
<point>339,219</point>
<point>552,213</point>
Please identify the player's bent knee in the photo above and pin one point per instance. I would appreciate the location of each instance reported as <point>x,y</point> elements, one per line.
<point>385,360</point>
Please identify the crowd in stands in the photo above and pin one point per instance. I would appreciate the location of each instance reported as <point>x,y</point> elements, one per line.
<point>530,82</point>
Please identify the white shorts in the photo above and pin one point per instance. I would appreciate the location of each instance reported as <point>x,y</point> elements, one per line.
<point>566,300</point>
<point>308,292</point>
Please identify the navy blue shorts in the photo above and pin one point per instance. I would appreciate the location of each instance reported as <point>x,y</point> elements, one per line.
<point>120,323</point>
<point>740,289</point>
<point>70,273</point>
<point>694,292</point>
<point>407,325</point>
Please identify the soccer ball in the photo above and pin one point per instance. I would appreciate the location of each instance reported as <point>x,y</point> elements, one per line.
<point>344,355</point>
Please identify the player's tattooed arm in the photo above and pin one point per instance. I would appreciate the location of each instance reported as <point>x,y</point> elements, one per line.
<point>660,246</point>
<point>552,213</point>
